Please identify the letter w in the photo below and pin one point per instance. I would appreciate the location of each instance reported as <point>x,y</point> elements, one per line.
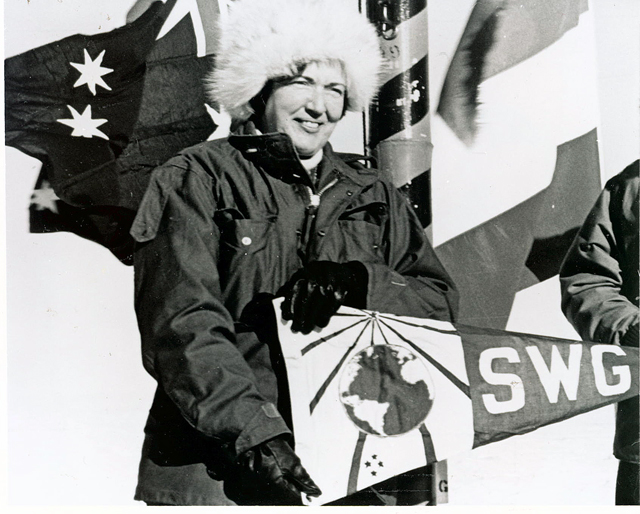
<point>559,372</point>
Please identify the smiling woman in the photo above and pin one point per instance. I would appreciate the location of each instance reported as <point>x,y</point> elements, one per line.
<point>227,225</point>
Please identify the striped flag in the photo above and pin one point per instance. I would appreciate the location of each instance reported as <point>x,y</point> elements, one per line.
<point>375,395</point>
<point>516,163</point>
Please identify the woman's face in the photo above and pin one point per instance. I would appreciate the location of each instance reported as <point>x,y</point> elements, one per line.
<point>307,107</point>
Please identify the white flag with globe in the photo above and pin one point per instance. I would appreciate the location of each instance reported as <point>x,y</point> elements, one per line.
<point>373,396</point>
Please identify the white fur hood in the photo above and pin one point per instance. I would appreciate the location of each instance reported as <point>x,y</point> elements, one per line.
<point>265,39</point>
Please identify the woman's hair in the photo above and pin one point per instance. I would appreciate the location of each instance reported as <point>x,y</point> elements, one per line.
<point>263,40</point>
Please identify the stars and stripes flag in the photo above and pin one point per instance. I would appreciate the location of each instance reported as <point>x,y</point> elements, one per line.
<point>102,111</point>
<point>375,395</point>
<point>516,162</point>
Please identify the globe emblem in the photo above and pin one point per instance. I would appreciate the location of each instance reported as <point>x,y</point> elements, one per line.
<point>386,390</point>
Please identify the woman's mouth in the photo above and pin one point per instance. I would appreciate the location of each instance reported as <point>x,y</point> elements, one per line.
<point>309,126</point>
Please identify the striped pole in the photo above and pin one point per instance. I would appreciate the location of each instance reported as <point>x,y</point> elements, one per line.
<point>399,133</point>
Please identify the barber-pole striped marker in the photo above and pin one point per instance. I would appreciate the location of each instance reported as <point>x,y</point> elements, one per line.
<point>399,133</point>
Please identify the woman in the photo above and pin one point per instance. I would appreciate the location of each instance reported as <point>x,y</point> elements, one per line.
<point>271,210</point>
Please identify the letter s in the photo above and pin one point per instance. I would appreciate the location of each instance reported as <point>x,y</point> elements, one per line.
<point>493,405</point>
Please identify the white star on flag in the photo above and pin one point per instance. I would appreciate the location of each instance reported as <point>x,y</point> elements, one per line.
<point>222,121</point>
<point>91,72</point>
<point>45,198</point>
<point>83,125</point>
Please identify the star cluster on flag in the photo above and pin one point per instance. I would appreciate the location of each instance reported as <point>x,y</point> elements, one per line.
<point>91,73</point>
<point>373,464</point>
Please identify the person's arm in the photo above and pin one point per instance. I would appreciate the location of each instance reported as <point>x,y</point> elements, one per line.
<point>412,282</point>
<point>591,282</point>
<point>188,337</point>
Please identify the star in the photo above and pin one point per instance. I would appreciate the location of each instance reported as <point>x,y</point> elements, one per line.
<point>381,464</point>
<point>374,473</point>
<point>374,457</point>
<point>222,121</point>
<point>91,72</point>
<point>45,198</point>
<point>83,125</point>
<point>367,464</point>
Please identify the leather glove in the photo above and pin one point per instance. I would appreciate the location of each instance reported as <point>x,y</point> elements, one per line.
<point>276,464</point>
<point>316,292</point>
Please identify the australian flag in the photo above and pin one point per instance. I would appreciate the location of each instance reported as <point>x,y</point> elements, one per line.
<point>101,112</point>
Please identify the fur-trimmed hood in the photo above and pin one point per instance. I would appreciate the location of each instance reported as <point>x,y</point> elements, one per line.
<point>264,39</point>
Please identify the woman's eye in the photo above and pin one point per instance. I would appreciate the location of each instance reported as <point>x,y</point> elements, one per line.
<point>300,82</point>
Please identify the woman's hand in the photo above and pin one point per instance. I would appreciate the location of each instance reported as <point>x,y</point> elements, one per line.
<point>316,292</point>
<point>276,464</point>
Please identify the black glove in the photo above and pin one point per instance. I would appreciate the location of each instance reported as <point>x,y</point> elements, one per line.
<point>276,465</point>
<point>316,292</point>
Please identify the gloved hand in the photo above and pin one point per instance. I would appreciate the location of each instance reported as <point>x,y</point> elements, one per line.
<point>316,292</point>
<point>276,464</point>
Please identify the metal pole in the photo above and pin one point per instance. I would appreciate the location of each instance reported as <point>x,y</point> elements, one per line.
<point>399,132</point>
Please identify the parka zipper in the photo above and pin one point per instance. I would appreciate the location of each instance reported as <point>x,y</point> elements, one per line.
<point>310,217</point>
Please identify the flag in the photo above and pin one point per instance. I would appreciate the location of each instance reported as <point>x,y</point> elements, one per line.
<point>525,244</point>
<point>101,112</point>
<point>203,15</point>
<point>375,395</point>
<point>105,225</point>
<point>515,146</point>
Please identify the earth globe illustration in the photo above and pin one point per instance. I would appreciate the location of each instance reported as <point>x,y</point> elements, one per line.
<point>386,390</point>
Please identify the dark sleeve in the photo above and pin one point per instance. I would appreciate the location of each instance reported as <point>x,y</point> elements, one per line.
<point>188,336</point>
<point>591,281</point>
<point>413,282</point>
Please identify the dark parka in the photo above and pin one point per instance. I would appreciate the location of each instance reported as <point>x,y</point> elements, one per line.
<point>219,224</point>
<point>599,280</point>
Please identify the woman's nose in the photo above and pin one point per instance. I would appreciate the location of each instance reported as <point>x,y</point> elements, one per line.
<point>316,103</point>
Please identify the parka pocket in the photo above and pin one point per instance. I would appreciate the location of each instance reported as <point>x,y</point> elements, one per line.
<point>376,213</point>
<point>361,229</point>
<point>245,236</point>
<point>247,252</point>
<point>360,241</point>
